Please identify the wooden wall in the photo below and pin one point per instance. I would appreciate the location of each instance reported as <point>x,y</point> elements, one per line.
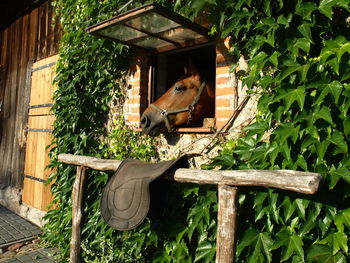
<point>28,39</point>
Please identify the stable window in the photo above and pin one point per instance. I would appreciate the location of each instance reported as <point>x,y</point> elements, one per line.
<point>170,41</point>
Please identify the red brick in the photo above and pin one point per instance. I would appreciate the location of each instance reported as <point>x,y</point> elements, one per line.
<point>222,103</point>
<point>220,123</point>
<point>223,114</point>
<point>220,57</point>
<point>133,100</point>
<point>135,110</point>
<point>223,61</point>
<point>135,83</point>
<point>134,118</point>
<point>222,70</point>
<point>224,91</point>
<point>222,80</point>
<point>135,91</point>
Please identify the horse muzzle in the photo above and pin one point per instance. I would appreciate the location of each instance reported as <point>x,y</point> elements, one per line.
<point>151,124</point>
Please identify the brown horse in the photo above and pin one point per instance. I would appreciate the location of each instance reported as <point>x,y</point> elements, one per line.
<point>188,101</point>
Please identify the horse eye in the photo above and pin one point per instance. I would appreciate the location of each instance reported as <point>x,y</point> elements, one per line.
<point>180,88</point>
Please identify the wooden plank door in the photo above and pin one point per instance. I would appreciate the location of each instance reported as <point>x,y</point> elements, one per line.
<point>36,192</point>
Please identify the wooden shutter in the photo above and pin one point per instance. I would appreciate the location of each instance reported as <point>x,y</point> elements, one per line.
<point>36,192</point>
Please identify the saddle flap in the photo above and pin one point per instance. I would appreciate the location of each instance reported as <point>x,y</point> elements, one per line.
<point>126,198</point>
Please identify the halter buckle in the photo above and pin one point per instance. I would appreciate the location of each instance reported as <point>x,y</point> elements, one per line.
<point>164,113</point>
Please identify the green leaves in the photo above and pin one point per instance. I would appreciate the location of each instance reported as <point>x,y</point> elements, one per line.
<point>303,44</point>
<point>86,76</point>
<point>298,53</point>
<point>336,241</point>
<point>341,219</point>
<point>294,246</point>
<point>305,30</point>
<point>205,251</point>
<point>299,60</point>
<point>334,88</point>
<point>297,95</point>
<point>333,52</point>
<point>122,142</point>
<point>263,244</point>
<point>339,140</point>
<point>305,9</point>
<point>319,113</point>
<point>326,6</point>
<point>260,241</point>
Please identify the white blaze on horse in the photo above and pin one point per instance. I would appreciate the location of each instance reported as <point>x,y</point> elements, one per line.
<point>187,102</point>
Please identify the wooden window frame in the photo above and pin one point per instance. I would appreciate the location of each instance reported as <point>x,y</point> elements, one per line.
<point>122,19</point>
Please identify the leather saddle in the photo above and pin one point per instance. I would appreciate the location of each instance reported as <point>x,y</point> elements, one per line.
<point>126,197</point>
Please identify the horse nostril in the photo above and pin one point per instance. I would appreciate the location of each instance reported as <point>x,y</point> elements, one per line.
<point>144,122</point>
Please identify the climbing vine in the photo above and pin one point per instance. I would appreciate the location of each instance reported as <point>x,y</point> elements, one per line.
<point>88,77</point>
<point>298,53</point>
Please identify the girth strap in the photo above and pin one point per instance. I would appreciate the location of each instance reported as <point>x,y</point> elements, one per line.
<point>189,108</point>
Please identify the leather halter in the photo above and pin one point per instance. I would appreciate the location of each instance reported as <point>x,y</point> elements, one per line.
<point>190,108</point>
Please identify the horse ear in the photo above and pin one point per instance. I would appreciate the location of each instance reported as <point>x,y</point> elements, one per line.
<point>185,69</point>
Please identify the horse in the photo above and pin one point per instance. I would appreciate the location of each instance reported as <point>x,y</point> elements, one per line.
<point>186,102</point>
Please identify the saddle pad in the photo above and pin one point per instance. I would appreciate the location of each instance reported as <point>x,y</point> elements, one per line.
<point>126,199</point>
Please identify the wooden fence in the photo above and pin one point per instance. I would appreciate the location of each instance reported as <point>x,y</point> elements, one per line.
<point>227,182</point>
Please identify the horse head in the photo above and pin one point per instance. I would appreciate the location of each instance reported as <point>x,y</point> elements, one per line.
<point>188,101</point>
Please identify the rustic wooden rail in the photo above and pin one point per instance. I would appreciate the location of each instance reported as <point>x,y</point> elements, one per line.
<point>227,181</point>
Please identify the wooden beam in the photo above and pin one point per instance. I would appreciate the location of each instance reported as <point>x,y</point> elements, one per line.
<point>226,237</point>
<point>91,162</point>
<point>297,181</point>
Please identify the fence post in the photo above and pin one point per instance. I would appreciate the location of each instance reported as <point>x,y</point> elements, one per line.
<point>227,222</point>
<point>77,213</point>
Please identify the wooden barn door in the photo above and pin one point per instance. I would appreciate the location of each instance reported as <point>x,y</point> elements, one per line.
<point>35,191</point>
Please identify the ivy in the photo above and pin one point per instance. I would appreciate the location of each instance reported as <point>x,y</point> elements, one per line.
<point>298,53</point>
<point>87,80</point>
<point>88,77</point>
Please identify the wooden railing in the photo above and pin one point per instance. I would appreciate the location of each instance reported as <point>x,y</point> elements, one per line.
<point>226,180</point>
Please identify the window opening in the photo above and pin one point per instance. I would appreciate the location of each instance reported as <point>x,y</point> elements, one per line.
<point>170,67</point>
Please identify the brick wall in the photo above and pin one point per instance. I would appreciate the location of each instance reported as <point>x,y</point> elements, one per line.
<point>137,94</point>
<point>226,85</point>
